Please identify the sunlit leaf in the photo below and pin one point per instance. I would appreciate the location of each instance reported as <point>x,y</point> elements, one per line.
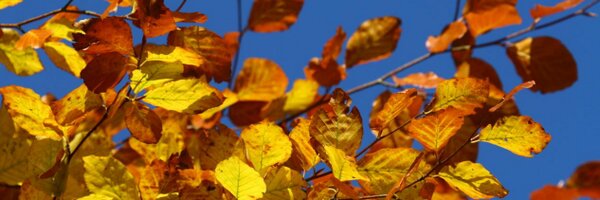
<point>156,73</point>
<point>485,15</point>
<point>301,96</point>
<point>266,145</point>
<point>65,57</point>
<point>212,147</point>
<point>464,94</point>
<point>153,17</point>
<point>75,104</point>
<point>106,176</point>
<point>9,3</point>
<point>393,107</point>
<point>343,166</point>
<point>104,72</point>
<point>32,39</point>
<point>284,183</point>
<point>143,124</point>
<point>325,73</point>
<point>274,15</point>
<point>512,92</point>
<point>230,99</point>
<point>374,40</point>
<point>240,179</point>
<point>21,62</point>
<point>546,61</point>
<point>194,17</point>
<point>29,113</point>
<point>111,34</point>
<point>387,166</point>
<point>185,95</point>
<point>518,134</point>
<point>62,27</point>
<point>540,11</point>
<point>171,54</point>
<point>474,180</point>
<point>454,31</point>
<point>333,47</point>
<point>434,130</point>
<point>303,153</point>
<point>260,80</point>
<point>422,80</point>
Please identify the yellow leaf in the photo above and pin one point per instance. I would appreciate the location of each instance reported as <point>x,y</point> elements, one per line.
<point>260,80</point>
<point>76,104</point>
<point>388,166</point>
<point>274,15</point>
<point>9,3</point>
<point>284,183</point>
<point>170,54</point>
<point>208,149</point>
<point>240,179</point>
<point>65,57</point>
<point>422,80</point>
<point>14,148</point>
<point>185,95</point>
<point>155,73</point>
<point>392,108</point>
<point>464,94</point>
<point>518,134</point>
<point>21,62</point>
<point>152,179</point>
<point>108,177</point>
<point>230,99</point>
<point>435,130</point>
<point>374,40</point>
<point>303,152</point>
<point>266,145</point>
<point>62,28</point>
<point>474,180</point>
<point>171,141</point>
<point>333,125</point>
<point>343,167</point>
<point>301,96</point>
<point>29,112</point>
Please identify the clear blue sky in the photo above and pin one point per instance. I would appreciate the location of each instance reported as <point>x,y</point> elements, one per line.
<point>570,116</point>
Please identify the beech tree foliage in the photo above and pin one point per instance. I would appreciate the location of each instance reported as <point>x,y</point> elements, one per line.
<point>166,96</point>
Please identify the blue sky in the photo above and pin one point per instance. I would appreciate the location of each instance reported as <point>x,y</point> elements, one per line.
<point>568,115</point>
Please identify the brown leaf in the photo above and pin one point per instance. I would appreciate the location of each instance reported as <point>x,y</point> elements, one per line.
<point>208,45</point>
<point>423,80</point>
<point>154,18</point>
<point>274,15</point>
<point>546,61</point>
<point>375,39</point>
<point>246,112</point>
<point>143,124</point>
<point>325,73</point>
<point>554,192</point>
<point>462,48</point>
<point>104,72</point>
<point>540,11</point>
<point>477,68</point>
<point>195,17</point>
<point>34,38</point>
<point>333,47</point>
<point>586,176</point>
<point>232,42</point>
<point>485,15</point>
<point>452,32</point>
<point>111,34</point>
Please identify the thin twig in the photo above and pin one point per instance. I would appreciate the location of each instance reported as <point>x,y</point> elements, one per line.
<point>67,5</point>
<point>456,10</point>
<point>181,6</point>
<point>19,25</point>
<point>242,30</point>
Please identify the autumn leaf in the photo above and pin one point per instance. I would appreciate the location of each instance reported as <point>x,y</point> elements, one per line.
<point>108,178</point>
<point>434,130</point>
<point>33,39</point>
<point>29,113</point>
<point>546,61</point>
<point>477,68</point>
<point>452,32</point>
<point>185,95</point>
<point>325,73</point>
<point>303,153</point>
<point>21,62</point>
<point>210,46</point>
<point>400,137</point>
<point>463,136</point>
<point>65,57</point>
<point>194,17</point>
<point>240,179</point>
<point>343,166</point>
<point>266,145</point>
<point>474,180</point>
<point>554,192</point>
<point>540,11</point>
<point>111,34</point>
<point>518,134</point>
<point>393,107</point>
<point>153,179</point>
<point>375,39</point>
<point>464,94</point>
<point>75,104</point>
<point>301,96</point>
<point>274,15</point>
<point>62,25</point>
<point>486,15</point>
<point>143,124</point>
<point>155,74</point>
<point>284,183</point>
<point>172,139</point>
<point>171,54</point>
<point>104,72</point>
<point>512,92</point>
<point>423,80</point>
<point>153,17</point>
<point>230,99</point>
<point>212,147</point>
<point>9,3</point>
<point>260,80</point>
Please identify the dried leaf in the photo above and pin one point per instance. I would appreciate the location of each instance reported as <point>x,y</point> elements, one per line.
<point>422,80</point>
<point>143,124</point>
<point>185,95</point>
<point>194,17</point>
<point>452,32</point>
<point>464,94</point>
<point>154,18</point>
<point>266,145</point>
<point>486,15</point>
<point>108,178</point>
<point>111,34</point>
<point>518,134</point>
<point>333,47</point>
<point>240,179</point>
<point>435,130</point>
<point>274,15</point>
<point>374,40</point>
<point>540,11</point>
<point>260,80</point>
<point>325,73</point>
<point>554,192</point>
<point>104,72</point>
<point>65,57</point>
<point>474,180</point>
<point>21,62</point>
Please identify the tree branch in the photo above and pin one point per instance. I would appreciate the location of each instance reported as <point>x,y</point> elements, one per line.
<point>456,10</point>
<point>19,25</point>
<point>242,30</point>
<point>181,5</point>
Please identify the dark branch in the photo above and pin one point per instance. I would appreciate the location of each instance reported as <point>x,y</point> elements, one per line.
<point>242,30</point>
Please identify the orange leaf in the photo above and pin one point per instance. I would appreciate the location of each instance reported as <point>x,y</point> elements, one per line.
<point>423,80</point>
<point>260,80</point>
<point>143,124</point>
<point>34,38</point>
<point>75,104</point>
<point>111,34</point>
<point>544,60</point>
<point>586,176</point>
<point>467,152</point>
<point>465,94</point>
<point>435,130</point>
<point>231,40</point>
<point>274,15</point>
<point>104,72</point>
<point>246,112</point>
<point>154,18</point>
<point>477,68</point>
<point>332,48</point>
<point>509,96</point>
<point>485,15</point>
<point>325,73</point>
<point>375,39</point>
<point>461,48</point>
<point>189,17</point>
<point>452,32</point>
<point>540,11</point>
<point>392,108</point>
<point>554,192</point>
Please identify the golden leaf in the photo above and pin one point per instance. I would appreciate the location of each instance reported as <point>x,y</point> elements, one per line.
<point>266,145</point>
<point>518,134</point>
<point>301,96</point>
<point>474,180</point>
<point>143,124</point>
<point>29,113</point>
<point>185,95</point>
<point>464,94</point>
<point>540,11</point>
<point>260,80</point>
<point>9,3</point>
<point>452,32</point>
<point>65,57</point>
<point>343,166</point>
<point>284,183</point>
<point>21,62</point>
<point>374,40</point>
<point>240,179</point>
<point>75,104</point>
<point>303,153</point>
<point>212,147</point>
<point>107,177</point>
<point>274,15</point>
<point>485,15</point>
<point>434,130</point>
<point>392,108</point>
<point>388,166</point>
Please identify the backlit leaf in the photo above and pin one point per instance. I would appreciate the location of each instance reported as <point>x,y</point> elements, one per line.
<point>104,72</point>
<point>518,134</point>
<point>171,54</point>
<point>454,31</point>
<point>106,176</point>
<point>303,153</point>
<point>333,47</point>
<point>422,80</point>
<point>195,17</point>
<point>512,92</point>
<point>9,3</point>
<point>230,99</point>
<point>546,61</point>
<point>485,15</point>
<point>212,147</point>
<point>554,192</point>
<point>65,57</point>
<point>155,73</point>
<point>154,18</point>
<point>21,62</point>
<point>343,166</point>
<point>474,180</point>
<point>260,80</point>
<point>32,39</point>
<point>435,129</point>
<point>325,73</point>
<point>301,96</point>
<point>374,40</point>
<point>143,124</point>
<point>274,15</point>
<point>28,112</point>
<point>464,94</point>
<point>210,46</point>
<point>185,95</point>
<point>387,167</point>
<point>468,152</point>
<point>111,34</point>
<point>240,179</point>
<point>266,145</point>
<point>393,107</point>
<point>284,183</point>
<point>62,27</point>
<point>540,11</point>
<point>171,142</point>
<point>75,104</point>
